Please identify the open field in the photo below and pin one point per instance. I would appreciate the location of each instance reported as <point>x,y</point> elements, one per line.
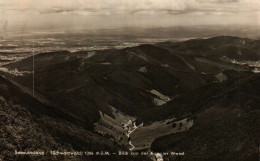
<point>143,137</point>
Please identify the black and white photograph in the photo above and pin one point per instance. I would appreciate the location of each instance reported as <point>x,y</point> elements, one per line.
<point>129,80</point>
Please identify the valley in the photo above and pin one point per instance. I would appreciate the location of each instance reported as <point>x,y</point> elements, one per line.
<point>159,97</point>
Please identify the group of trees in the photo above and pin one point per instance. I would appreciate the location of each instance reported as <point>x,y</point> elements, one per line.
<point>174,125</point>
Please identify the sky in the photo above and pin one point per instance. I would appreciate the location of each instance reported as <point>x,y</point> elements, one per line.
<point>105,14</point>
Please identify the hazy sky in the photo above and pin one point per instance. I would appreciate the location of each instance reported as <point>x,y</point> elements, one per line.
<point>57,14</point>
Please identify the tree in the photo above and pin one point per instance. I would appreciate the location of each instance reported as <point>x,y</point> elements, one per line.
<point>180,125</point>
